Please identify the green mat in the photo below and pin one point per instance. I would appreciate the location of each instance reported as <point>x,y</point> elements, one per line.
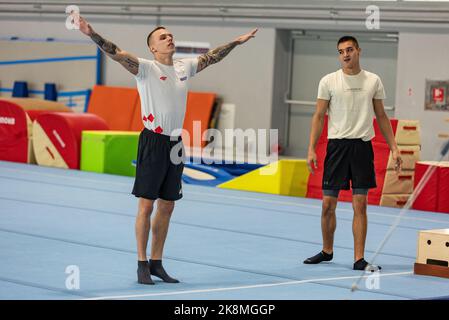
<point>109,152</point>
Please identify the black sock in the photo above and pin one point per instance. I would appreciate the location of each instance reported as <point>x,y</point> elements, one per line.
<point>362,264</point>
<point>320,257</point>
<point>143,273</point>
<point>157,270</point>
<point>142,264</point>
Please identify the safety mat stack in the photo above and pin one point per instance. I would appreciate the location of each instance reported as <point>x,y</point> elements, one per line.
<point>435,194</point>
<point>49,133</point>
<point>397,188</point>
<point>16,134</point>
<point>57,137</point>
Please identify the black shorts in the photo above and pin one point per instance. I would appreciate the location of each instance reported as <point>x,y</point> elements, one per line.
<point>349,160</point>
<point>158,172</point>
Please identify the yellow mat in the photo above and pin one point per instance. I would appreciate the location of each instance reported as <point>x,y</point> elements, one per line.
<point>284,177</point>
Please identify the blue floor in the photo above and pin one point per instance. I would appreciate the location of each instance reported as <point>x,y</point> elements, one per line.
<point>222,244</point>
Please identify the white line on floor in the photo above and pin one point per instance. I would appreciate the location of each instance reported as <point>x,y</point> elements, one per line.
<point>158,294</point>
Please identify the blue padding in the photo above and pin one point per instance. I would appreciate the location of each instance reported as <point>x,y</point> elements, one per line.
<point>236,169</point>
<point>88,94</point>
<point>20,89</point>
<point>219,175</point>
<point>99,64</point>
<point>50,92</point>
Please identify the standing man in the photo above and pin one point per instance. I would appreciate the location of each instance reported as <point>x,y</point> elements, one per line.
<point>352,97</point>
<point>162,86</point>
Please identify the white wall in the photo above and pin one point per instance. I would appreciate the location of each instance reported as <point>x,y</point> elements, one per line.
<point>243,78</point>
<point>247,76</point>
<point>280,83</point>
<point>420,57</point>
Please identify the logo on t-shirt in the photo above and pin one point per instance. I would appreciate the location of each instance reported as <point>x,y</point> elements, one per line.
<point>163,78</point>
<point>354,89</point>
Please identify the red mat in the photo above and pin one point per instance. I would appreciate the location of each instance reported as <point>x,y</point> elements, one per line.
<point>13,133</point>
<point>57,137</point>
<point>435,194</point>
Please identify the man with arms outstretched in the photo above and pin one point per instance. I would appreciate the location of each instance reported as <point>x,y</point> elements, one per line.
<point>162,85</point>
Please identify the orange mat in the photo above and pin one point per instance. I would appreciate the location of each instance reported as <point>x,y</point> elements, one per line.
<point>115,105</point>
<point>136,121</point>
<point>120,108</point>
<point>199,109</point>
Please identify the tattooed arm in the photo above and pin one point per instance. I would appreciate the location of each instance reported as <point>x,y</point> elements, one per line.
<point>127,60</point>
<point>217,54</point>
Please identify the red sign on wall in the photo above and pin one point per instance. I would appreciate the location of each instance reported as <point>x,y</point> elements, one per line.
<point>438,94</point>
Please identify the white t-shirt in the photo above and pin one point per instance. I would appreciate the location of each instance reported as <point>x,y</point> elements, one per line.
<point>163,93</point>
<point>351,109</point>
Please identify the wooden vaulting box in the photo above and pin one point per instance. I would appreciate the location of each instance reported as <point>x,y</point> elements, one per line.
<point>433,253</point>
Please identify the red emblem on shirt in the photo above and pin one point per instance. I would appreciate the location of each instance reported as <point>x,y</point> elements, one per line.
<point>158,130</point>
<point>163,78</point>
<point>151,117</point>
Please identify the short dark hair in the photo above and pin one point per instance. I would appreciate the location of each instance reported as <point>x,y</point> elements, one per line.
<point>154,30</point>
<point>348,38</point>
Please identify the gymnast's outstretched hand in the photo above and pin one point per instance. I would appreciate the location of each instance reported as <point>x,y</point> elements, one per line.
<point>243,38</point>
